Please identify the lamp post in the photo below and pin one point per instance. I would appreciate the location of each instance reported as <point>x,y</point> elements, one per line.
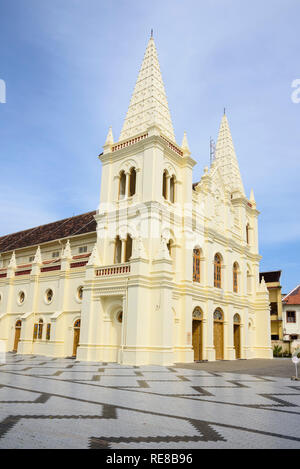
<point>296,360</point>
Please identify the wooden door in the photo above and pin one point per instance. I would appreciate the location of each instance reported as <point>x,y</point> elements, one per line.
<point>218,340</point>
<point>237,340</point>
<point>76,337</point>
<point>17,336</point>
<point>197,340</point>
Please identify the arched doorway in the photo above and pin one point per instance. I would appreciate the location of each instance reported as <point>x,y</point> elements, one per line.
<point>237,335</point>
<point>197,334</point>
<point>17,335</point>
<point>76,336</point>
<point>219,334</point>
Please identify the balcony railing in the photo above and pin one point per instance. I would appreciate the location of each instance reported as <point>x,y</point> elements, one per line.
<point>112,270</point>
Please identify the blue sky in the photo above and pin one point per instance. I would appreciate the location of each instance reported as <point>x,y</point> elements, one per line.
<point>70,67</point>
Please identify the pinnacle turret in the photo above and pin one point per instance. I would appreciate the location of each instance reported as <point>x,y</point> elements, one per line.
<point>185,143</point>
<point>110,137</point>
<point>148,105</point>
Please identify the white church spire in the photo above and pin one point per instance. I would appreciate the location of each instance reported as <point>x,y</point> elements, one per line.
<point>148,105</point>
<point>226,159</point>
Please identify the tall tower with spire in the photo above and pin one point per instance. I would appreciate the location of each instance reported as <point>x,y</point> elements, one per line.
<point>167,234</point>
<point>146,175</point>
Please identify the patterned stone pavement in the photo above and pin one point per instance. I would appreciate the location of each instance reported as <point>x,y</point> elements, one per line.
<point>62,403</point>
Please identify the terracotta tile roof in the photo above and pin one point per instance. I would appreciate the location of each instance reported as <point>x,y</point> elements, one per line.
<point>273,276</point>
<point>293,298</point>
<point>66,228</point>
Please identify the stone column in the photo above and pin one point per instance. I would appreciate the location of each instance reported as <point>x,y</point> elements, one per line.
<point>127,185</point>
<point>123,250</point>
<point>168,187</point>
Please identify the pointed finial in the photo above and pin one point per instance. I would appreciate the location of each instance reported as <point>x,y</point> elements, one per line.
<point>110,138</point>
<point>224,111</point>
<point>252,199</point>
<point>38,256</point>
<point>152,33</point>
<point>94,257</point>
<point>263,285</point>
<point>185,144</point>
<point>12,262</point>
<point>67,253</point>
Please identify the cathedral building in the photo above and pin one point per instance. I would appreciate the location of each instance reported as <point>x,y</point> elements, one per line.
<point>165,270</point>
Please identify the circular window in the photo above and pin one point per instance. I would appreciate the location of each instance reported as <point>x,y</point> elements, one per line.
<point>49,295</point>
<point>21,297</point>
<point>120,316</point>
<point>80,293</point>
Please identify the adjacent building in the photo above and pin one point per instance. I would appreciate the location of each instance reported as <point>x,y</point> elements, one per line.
<point>291,318</point>
<point>272,279</point>
<point>164,271</point>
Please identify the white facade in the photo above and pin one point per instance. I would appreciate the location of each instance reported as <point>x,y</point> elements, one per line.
<point>291,317</point>
<point>164,251</point>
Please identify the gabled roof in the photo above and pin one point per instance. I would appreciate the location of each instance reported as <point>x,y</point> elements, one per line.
<point>293,298</point>
<point>272,276</point>
<point>66,228</point>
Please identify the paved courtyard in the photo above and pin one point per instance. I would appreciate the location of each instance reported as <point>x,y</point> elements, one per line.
<point>62,403</point>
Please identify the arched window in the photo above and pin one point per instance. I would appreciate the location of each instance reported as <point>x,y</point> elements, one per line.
<point>197,313</point>
<point>40,329</point>
<point>236,319</point>
<point>196,265</point>
<point>122,185</point>
<point>172,189</point>
<point>235,277</point>
<point>218,315</point>
<point>132,182</point>
<point>128,249</point>
<point>118,250</point>
<point>217,271</point>
<point>77,324</point>
<point>164,185</point>
<point>247,233</point>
